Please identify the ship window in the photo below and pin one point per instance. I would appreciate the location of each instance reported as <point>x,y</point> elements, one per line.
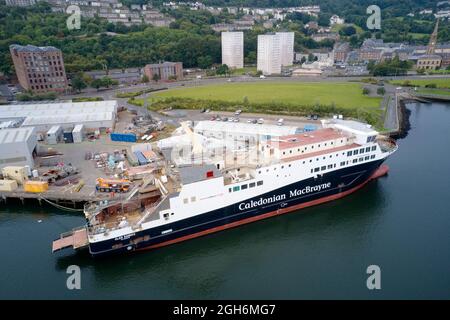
<point>325,144</point>
<point>330,166</point>
<point>361,159</point>
<point>229,189</point>
<point>252,185</point>
<point>374,148</point>
<point>244,186</point>
<point>303,162</point>
<point>319,145</point>
<point>289,166</point>
<point>193,199</point>
<point>236,188</point>
<point>372,156</point>
<point>342,163</point>
<point>331,142</point>
<point>366,158</point>
<point>282,167</point>
<point>185,200</point>
<point>355,152</point>
<point>361,150</point>
<point>259,183</point>
<point>367,149</point>
<point>311,170</point>
<point>323,168</point>
<point>310,160</point>
<point>355,160</point>
<point>349,154</point>
<point>316,169</point>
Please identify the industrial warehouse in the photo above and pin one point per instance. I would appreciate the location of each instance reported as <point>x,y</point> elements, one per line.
<point>42,116</point>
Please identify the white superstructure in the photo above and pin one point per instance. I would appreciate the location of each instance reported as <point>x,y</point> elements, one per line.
<point>233,49</point>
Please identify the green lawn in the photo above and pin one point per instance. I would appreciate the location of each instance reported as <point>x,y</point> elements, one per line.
<point>433,91</point>
<point>344,95</point>
<point>440,83</point>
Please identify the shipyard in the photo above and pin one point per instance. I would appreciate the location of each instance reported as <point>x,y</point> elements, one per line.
<point>223,150</point>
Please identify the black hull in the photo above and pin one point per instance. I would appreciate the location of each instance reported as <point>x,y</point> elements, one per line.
<point>338,182</point>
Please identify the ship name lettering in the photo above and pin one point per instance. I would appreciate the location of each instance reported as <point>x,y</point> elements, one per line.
<point>308,189</point>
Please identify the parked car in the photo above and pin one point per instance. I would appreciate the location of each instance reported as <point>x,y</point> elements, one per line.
<point>238,112</point>
<point>260,121</point>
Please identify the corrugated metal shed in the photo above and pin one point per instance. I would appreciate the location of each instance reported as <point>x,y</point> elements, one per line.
<point>15,135</point>
<point>62,108</point>
<point>107,118</point>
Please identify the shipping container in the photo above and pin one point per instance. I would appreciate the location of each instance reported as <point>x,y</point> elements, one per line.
<point>123,137</point>
<point>141,158</point>
<point>18,174</point>
<point>54,135</point>
<point>68,137</point>
<point>35,186</point>
<point>78,133</point>
<point>8,185</point>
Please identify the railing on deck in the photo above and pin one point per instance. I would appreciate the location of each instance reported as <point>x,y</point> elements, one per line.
<point>387,144</point>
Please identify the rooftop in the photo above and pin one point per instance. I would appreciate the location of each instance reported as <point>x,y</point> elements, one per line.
<point>67,119</point>
<point>245,128</point>
<point>14,135</point>
<point>302,139</point>
<point>31,48</point>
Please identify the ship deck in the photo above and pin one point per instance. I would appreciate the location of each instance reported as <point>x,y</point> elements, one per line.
<point>76,239</point>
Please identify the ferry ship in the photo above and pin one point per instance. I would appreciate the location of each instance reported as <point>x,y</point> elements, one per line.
<point>208,185</point>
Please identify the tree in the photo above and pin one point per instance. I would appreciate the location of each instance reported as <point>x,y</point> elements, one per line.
<point>204,62</point>
<point>366,91</point>
<point>156,77</point>
<point>145,79</point>
<point>381,91</point>
<point>97,83</point>
<point>78,82</point>
<point>223,69</point>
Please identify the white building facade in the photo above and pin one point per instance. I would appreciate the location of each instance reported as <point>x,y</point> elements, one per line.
<point>269,54</point>
<point>287,48</point>
<point>233,49</point>
<point>17,146</point>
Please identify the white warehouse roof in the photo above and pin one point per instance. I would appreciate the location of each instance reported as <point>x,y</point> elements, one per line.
<point>245,128</point>
<point>63,108</point>
<point>14,135</point>
<point>68,119</point>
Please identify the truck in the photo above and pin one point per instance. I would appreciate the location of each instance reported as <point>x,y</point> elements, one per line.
<point>112,185</point>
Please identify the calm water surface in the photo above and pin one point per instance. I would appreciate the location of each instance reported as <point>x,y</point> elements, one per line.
<point>400,222</point>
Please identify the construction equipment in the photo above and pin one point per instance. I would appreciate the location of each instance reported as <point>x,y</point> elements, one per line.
<point>112,185</point>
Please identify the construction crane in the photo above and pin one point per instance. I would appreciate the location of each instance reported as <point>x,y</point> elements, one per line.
<point>112,185</point>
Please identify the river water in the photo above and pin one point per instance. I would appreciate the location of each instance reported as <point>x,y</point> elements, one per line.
<point>400,222</point>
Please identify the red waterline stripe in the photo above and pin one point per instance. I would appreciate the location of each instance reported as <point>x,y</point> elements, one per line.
<point>381,171</point>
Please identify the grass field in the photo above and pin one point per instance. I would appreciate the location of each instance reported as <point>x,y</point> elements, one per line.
<point>440,83</point>
<point>344,95</point>
<point>433,91</point>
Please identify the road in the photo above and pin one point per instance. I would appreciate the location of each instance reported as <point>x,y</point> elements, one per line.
<point>110,94</point>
